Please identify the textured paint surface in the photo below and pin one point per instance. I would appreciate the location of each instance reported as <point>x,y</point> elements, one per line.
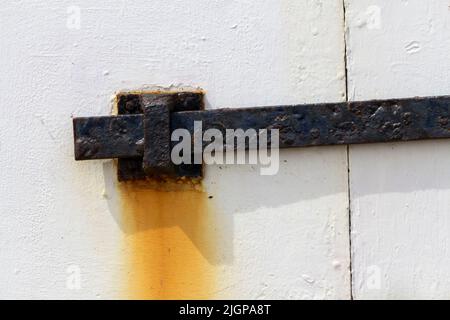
<point>400,193</point>
<point>290,246</point>
<point>282,236</point>
<point>65,232</point>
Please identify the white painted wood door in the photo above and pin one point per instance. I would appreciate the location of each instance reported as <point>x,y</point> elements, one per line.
<point>63,234</point>
<point>399,192</point>
<point>70,230</point>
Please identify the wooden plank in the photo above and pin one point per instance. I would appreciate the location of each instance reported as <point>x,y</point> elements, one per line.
<point>400,193</point>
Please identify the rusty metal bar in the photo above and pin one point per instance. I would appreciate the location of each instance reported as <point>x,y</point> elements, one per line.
<point>108,137</point>
<point>299,125</point>
<point>157,139</point>
<point>335,123</point>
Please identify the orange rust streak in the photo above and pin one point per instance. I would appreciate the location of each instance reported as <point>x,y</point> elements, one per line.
<point>168,243</point>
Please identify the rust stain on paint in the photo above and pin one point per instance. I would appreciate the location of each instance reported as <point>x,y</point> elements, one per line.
<point>169,240</point>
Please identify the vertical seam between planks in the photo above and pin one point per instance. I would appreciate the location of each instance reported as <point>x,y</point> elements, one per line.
<point>348,153</point>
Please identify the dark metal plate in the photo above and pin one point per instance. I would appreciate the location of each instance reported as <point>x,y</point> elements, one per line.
<point>133,104</point>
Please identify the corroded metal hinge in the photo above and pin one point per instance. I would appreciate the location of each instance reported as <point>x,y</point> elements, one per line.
<point>140,135</point>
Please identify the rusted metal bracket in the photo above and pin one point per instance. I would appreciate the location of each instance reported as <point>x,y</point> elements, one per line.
<point>142,124</point>
<point>139,136</point>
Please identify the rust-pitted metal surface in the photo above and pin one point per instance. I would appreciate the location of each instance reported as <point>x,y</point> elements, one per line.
<point>135,105</point>
<point>157,144</point>
<point>335,123</point>
<point>108,137</point>
<point>298,125</point>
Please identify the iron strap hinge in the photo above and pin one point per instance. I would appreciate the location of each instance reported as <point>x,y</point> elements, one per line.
<point>140,135</point>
